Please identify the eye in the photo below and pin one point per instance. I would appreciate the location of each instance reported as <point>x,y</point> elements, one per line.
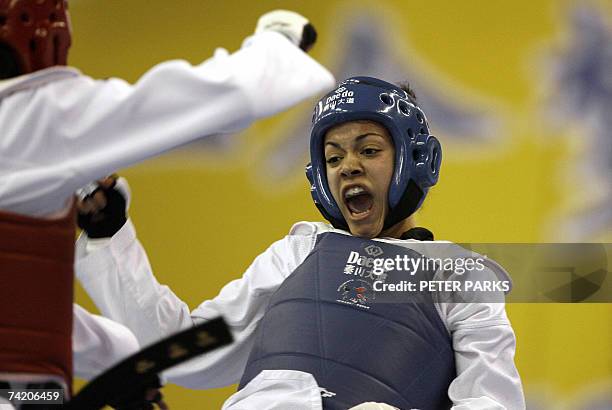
<point>370,151</point>
<point>333,160</point>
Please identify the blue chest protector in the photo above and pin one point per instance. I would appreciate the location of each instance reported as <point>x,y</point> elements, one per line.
<point>359,344</point>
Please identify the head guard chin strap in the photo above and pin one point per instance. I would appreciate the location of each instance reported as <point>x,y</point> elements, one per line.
<point>36,31</point>
<point>417,153</point>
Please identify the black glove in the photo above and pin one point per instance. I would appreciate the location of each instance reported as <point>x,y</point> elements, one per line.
<point>102,212</point>
<point>309,37</point>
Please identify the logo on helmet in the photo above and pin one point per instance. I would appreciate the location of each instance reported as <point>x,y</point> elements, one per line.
<point>338,97</point>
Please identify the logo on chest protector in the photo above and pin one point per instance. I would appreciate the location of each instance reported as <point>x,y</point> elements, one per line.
<point>373,250</point>
<point>357,292</point>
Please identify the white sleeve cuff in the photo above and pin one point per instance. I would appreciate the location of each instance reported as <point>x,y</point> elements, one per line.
<point>96,254</point>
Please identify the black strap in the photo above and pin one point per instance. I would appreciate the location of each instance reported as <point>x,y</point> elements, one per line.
<point>418,233</point>
<point>141,369</point>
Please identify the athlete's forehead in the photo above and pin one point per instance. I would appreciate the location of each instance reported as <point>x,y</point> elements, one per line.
<point>357,131</point>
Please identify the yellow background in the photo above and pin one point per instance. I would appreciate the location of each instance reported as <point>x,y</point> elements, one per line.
<point>203,217</point>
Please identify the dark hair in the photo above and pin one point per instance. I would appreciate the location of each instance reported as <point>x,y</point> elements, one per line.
<point>405,85</point>
<point>9,66</point>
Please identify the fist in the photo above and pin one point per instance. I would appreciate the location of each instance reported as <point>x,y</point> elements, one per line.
<point>102,207</point>
<point>292,25</point>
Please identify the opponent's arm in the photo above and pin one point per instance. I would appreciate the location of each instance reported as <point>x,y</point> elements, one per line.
<point>86,129</point>
<point>117,275</point>
<point>114,268</point>
<point>98,343</point>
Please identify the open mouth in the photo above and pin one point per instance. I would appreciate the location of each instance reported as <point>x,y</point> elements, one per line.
<point>358,201</point>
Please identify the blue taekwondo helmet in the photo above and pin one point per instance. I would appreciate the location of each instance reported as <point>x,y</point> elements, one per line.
<point>417,153</point>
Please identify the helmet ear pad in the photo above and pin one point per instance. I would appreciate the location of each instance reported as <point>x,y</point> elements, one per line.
<point>427,157</point>
<point>423,165</point>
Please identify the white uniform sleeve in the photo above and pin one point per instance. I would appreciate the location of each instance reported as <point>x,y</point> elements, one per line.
<point>484,345</point>
<point>62,135</point>
<point>119,279</point>
<point>98,343</point>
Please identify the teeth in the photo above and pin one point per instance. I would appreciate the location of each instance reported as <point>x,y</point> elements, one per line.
<point>354,192</point>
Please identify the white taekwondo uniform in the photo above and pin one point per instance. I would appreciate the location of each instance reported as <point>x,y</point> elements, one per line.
<point>62,129</point>
<point>117,275</point>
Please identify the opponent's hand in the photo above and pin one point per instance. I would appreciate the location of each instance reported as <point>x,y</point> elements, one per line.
<point>292,25</point>
<point>373,406</point>
<point>102,206</point>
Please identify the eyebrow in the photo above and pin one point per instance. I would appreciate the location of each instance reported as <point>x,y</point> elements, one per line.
<point>357,139</point>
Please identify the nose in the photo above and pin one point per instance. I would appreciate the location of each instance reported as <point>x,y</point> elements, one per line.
<point>351,167</point>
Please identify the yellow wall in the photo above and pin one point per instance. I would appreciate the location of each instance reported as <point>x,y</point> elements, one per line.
<point>203,216</point>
